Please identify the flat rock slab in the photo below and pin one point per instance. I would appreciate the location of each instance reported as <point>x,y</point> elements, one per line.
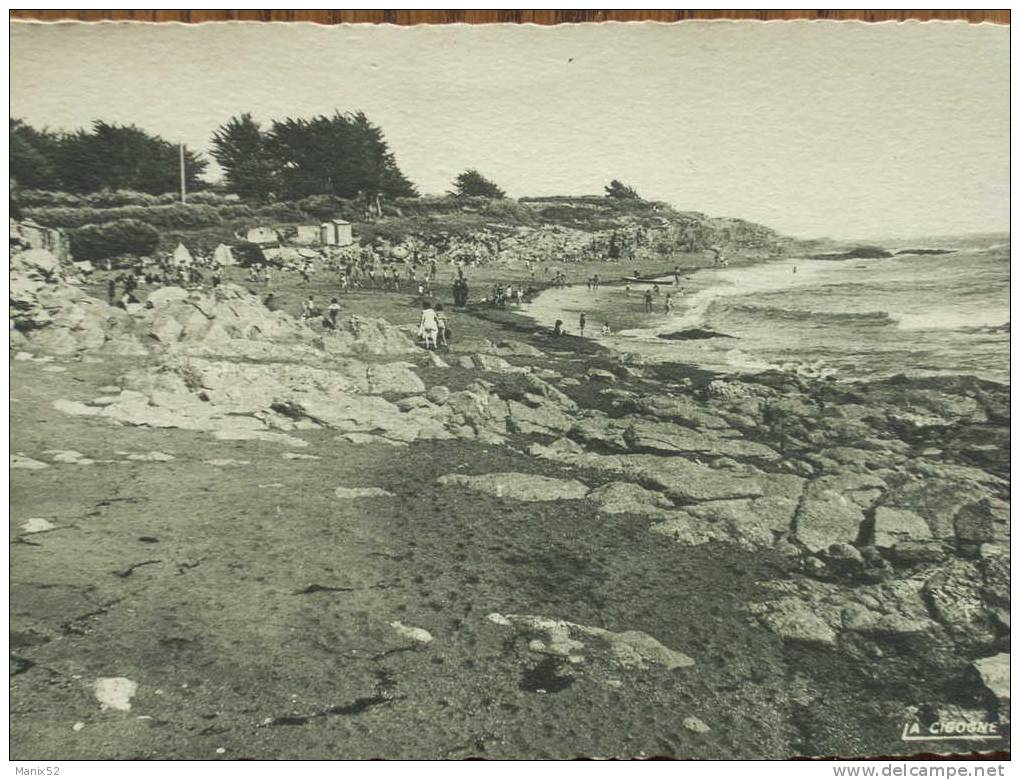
<point>151,457</point>
<point>667,437</point>
<point>69,456</point>
<point>826,518</point>
<point>361,492</point>
<point>24,462</point>
<point>893,526</point>
<point>794,620</point>
<point>521,487</point>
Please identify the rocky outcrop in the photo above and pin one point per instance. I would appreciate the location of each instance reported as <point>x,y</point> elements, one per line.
<point>581,645</point>
<point>229,321</point>
<point>252,400</point>
<point>48,314</point>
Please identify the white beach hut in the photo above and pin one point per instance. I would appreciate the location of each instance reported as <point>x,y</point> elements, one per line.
<point>222,256</point>
<point>182,256</point>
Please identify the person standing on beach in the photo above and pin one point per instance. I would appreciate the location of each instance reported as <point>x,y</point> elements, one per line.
<point>676,276</point>
<point>428,327</point>
<point>333,313</point>
<point>668,305</point>
<point>595,282</point>
<point>441,333</point>
<point>648,301</point>
<point>581,322</point>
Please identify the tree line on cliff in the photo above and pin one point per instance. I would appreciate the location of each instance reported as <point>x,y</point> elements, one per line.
<point>343,155</point>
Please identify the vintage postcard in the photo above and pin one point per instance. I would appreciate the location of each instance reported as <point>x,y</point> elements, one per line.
<point>509,392</point>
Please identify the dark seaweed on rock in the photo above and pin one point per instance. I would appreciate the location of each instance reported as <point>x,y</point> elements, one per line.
<point>925,251</point>
<point>857,253</point>
<point>693,334</point>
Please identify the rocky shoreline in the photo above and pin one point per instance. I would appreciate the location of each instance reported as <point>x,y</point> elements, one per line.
<point>884,505</point>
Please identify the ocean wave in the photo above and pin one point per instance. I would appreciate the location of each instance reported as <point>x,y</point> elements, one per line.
<point>866,318</point>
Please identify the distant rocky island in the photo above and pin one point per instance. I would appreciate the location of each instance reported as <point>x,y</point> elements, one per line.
<point>875,253</point>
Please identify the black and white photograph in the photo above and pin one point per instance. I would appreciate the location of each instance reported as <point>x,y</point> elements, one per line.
<point>508,391</point>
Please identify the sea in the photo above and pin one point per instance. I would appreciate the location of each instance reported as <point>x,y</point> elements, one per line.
<point>855,319</point>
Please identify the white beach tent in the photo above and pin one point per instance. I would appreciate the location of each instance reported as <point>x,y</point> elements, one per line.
<point>182,256</point>
<point>222,256</point>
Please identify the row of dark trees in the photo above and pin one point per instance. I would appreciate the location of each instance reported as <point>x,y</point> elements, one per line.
<point>344,155</point>
<point>104,157</point>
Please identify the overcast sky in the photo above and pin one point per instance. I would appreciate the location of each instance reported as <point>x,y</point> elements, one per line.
<point>816,129</point>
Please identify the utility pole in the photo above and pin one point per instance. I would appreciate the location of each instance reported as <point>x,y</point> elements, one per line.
<point>184,193</point>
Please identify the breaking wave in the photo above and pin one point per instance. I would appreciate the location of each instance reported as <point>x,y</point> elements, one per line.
<point>863,319</point>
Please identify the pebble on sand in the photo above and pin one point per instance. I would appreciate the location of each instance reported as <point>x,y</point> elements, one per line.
<point>697,725</point>
<point>35,525</point>
<point>115,693</point>
<point>411,632</point>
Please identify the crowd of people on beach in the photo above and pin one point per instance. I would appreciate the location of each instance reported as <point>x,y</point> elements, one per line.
<point>411,266</point>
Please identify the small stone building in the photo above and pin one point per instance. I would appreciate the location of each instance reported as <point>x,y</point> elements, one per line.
<point>336,232</point>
